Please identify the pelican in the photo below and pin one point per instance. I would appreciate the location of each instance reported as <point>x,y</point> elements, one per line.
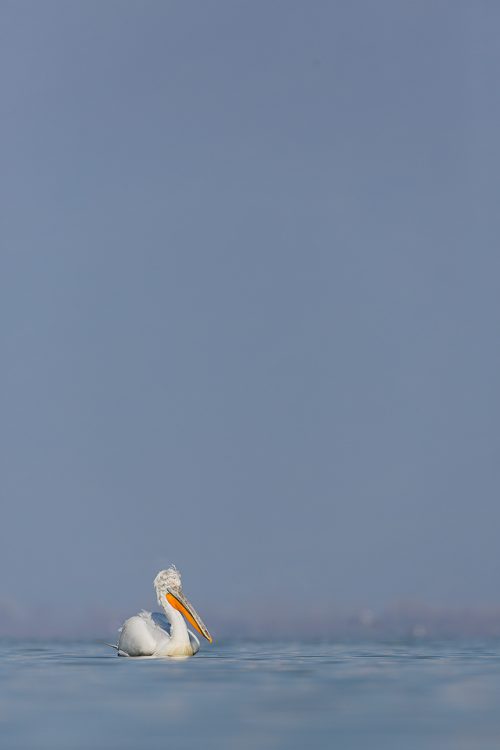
<point>157,634</point>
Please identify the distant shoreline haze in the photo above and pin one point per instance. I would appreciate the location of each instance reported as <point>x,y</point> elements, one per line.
<point>399,621</point>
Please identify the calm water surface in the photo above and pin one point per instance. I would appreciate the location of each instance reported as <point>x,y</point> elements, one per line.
<point>245,695</point>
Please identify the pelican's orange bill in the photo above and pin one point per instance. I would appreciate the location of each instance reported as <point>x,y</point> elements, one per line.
<point>179,602</point>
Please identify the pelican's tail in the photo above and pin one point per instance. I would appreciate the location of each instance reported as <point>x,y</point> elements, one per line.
<point>117,649</point>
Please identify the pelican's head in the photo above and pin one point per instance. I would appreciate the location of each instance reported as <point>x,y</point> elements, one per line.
<point>168,589</point>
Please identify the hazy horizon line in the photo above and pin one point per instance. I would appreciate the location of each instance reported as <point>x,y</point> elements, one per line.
<point>409,619</point>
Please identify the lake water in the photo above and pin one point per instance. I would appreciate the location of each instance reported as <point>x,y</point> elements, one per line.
<point>80,696</point>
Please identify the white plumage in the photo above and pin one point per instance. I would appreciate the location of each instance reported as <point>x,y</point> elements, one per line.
<point>157,634</point>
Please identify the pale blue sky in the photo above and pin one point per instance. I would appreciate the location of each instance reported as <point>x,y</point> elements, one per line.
<point>249,303</point>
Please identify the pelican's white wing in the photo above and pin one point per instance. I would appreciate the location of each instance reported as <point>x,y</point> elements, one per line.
<point>144,634</point>
<point>159,619</point>
<point>194,642</point>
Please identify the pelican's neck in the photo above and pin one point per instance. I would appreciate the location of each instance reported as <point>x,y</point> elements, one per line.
<point>179,632</point>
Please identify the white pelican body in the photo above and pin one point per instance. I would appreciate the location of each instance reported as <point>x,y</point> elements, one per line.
<point>156,634</point>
